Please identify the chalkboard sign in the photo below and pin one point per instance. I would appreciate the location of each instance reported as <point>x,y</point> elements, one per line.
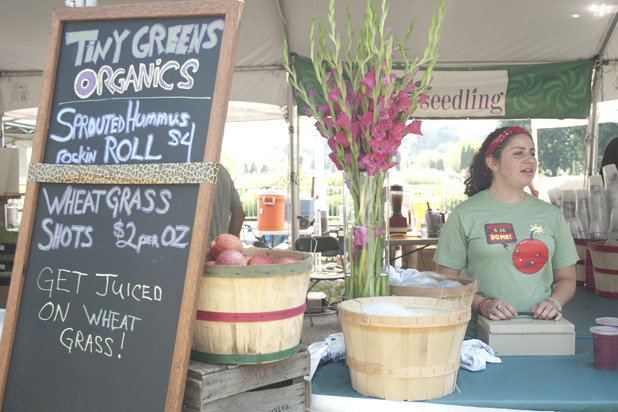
<point>115,225</point>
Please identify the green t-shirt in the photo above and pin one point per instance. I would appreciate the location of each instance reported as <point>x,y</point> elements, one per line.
<point>226,199</point>
<point>512,249</point>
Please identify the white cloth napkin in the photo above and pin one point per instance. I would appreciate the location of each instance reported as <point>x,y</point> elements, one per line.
<point>331,349</point>
<point>475,354</point>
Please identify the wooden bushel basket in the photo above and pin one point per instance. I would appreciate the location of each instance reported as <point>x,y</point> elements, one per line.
<point>251,314</point>
<point>404,358</point>
<point>464,294</point>
<point>580,267</point>
<point>605,267</point>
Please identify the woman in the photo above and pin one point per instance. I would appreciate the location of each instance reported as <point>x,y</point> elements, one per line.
<point>517,246</point>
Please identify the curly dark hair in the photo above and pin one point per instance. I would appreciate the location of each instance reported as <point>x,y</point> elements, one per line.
<point>480,176</point>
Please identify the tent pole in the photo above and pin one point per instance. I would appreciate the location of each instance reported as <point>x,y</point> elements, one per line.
<point>293,166</point>
<point>592,131</point>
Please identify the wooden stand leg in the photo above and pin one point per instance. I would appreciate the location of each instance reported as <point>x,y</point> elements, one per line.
<point>410,258</point>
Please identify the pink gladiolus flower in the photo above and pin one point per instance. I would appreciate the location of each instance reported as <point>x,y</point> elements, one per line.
<point>369,81</point>
<point>415,127</point>
<point>378,131</point>
<point>323,108</point>
<point>372,163</point>
<point>328,122</point>
<point>356,131</point>
<point>398,131</point>
<point>381,146</point>
<point>366,120</point>
<point>361,161</point>
<point>391,78</point>
<point>409,88</point>
<point>343,121</point>
<point>311,93</point>
<point>390,165</point>
<point>334,94</point>
<point>404,103</point>
<point>347,158</point>
<point>333,158</point>
<point>360,237</point>
<point>332,144</point>
<point>422,99</point>
<point>307,112</point>
<point>342,138</point>
<point>377,232</point>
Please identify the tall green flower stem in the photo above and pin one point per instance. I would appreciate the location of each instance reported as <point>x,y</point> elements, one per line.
<point>362,108</point>
<point>365,235</point>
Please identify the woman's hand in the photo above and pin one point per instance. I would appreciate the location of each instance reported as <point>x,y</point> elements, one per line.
<point>498,310</point>
<point>546,309</point>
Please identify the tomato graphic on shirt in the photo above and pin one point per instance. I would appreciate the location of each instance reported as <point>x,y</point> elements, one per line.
<point>530,255</point>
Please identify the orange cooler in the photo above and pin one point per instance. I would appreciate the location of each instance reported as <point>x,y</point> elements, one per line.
<point>271,210</point>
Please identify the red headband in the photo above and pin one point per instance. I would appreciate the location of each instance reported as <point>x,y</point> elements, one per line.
<point>505,133</point>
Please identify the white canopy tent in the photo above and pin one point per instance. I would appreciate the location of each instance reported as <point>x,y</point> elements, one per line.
<point>476,33</point>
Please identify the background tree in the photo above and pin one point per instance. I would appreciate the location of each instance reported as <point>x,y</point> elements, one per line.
<point>466,155</point>
<point>562,151</point>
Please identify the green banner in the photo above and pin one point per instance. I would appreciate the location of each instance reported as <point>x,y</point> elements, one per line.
<point>532,91</point>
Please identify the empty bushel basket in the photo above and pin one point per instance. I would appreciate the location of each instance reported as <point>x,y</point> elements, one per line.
<point>403,357</point>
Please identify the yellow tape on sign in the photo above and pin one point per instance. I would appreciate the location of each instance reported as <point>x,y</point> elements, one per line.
<point>151,173</point>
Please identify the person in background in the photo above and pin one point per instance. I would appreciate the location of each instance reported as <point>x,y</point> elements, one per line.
<point>227,212</point>
<point>519,247</point>
<point>610,155</point>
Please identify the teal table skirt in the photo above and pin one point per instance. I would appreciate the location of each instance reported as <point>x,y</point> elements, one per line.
<point>556,383</point>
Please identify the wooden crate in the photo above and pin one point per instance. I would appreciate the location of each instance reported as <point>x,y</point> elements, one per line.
<point>274,386</point>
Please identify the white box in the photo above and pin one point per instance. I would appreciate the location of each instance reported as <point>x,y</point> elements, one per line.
<point>316,301</point>
<point>526,336</point>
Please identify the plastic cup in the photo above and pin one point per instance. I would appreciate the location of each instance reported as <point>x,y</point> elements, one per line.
<point>569,203</point>
<point>605,343</point>
<point>612,230</point>
<point>610,175</point>
<point>576,227</point>
<point>597,203</point>
<point>555,197</point>
<point>597,230</point>
<point>583,210</point>
<point>595,180</point>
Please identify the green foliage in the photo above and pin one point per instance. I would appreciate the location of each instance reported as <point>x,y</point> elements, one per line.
<point>562,151</point>
<point>467,153</point>
<point>509,123</point>
<point>607,132</point>
<point>7,236</point>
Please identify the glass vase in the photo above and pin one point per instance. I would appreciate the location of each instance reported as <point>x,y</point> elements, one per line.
<point>365,234</point>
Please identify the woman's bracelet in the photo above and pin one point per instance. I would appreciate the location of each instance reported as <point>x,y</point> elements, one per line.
<point>556,303</point>
<point>481,303</point>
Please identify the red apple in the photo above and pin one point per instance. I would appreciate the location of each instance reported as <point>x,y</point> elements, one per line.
<point>224,241</point>
<point>210,262</point>
<point>260,260</point>
<point>286,259</point>
<point>231,257</point>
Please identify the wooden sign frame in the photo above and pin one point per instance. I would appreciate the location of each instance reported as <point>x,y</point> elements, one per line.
<point>231,11</point>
